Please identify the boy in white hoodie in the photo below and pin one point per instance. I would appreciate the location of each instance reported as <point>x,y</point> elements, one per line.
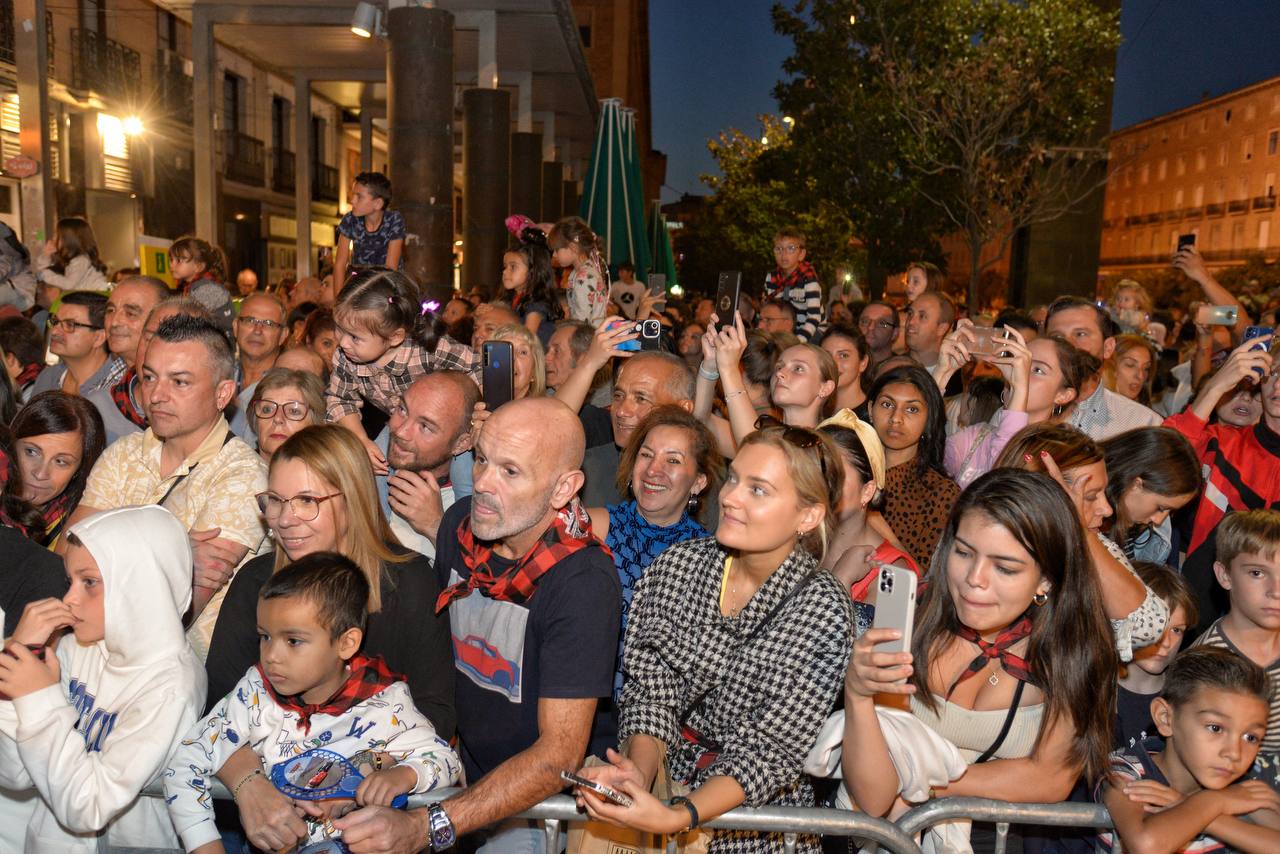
<point>311,688</point>
<point>95,721</point>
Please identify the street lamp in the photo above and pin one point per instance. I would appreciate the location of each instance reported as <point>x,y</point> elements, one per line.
<point>366,21</point>
<point>133,126</point>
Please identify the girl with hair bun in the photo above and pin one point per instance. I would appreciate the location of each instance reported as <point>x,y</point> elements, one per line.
<point>527,274</point>
<point>576,247</point>
<point>388,337</point>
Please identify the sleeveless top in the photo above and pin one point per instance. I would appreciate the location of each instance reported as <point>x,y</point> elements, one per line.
<point>974,731</point>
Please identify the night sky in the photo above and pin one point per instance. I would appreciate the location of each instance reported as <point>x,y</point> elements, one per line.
<point>714,64</point>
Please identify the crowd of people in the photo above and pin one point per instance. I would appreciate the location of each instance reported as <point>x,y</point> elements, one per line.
<point>286,539</point>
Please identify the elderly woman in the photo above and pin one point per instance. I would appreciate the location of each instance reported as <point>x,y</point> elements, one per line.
<point>670,466</point>
<point>321,496</point>
<point>56,439</point>
<point>283,403</point>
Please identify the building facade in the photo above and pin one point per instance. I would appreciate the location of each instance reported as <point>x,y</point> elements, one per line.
<point>1209,170</point>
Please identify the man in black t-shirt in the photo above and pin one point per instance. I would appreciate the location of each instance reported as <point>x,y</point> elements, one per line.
<point>534,604</point>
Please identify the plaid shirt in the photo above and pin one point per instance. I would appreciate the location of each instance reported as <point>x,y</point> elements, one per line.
<point>382,384</point>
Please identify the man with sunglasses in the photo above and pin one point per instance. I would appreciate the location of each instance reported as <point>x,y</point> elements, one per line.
<point>78,338</point>
<point>260,335</point>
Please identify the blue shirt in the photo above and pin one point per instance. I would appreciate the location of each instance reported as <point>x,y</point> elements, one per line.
<point>636,543</point>
<point>369,248</point>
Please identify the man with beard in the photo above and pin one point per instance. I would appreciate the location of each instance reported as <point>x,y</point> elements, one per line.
<point>534,605</point>
<point>429,426</point>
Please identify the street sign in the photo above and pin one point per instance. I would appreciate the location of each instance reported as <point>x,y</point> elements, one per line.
<point>21,166</point>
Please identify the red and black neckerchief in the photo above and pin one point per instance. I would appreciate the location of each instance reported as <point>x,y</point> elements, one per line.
<point>780,283</point>
<point>1014,665</point>
<point>518,299</point>
<point>367,675</point>
<point>569,532</point>
<point>28,375</point>
<point>123,400</point>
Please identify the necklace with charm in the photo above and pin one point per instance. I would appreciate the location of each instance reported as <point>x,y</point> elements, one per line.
<point>734,608</point>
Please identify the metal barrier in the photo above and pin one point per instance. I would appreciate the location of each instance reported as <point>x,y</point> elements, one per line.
<point>895,837</point>
<point>1003,814</point>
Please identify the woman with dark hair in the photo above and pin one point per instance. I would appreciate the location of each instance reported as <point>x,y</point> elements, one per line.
<point>849,350</point>
<point>56,439</point>
<point>909,417</point>
<point>70,261</point>
<point>1012,600</point>
<point>1151,472</point>
<point>1077,463</point>
<point>669,467</point>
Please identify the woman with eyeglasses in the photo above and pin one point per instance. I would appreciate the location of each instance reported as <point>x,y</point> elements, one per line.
<point>735,650</point>
<point>321,496</point>
<point>284,402</point>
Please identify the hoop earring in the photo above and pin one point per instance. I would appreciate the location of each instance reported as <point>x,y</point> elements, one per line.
<point>1040,598</point>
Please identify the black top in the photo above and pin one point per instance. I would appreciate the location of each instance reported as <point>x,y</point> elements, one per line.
<point>596,425</point>
<point>29,573</point>
<point>406,633</point>
<point>560,644</point>
<point>1133,717</point>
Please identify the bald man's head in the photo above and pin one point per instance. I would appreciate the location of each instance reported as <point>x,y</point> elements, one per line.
<point>528,462</point>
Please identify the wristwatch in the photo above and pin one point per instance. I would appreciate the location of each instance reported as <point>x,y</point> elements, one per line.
<point>442,834</point>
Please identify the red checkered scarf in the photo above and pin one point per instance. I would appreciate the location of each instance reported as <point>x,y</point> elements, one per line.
<point>780,283</point>
<point>28,375</point>
<point>124,402</point>
<point>569,532</point>
<point>367,676</point>
<point>1014,665</point>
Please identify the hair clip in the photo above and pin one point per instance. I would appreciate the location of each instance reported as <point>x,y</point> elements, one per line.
<point>430,305</point>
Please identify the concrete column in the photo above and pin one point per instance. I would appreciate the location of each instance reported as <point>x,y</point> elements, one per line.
<point>486,185</point>
<point>204,105</point>
<point>366,141</point>
<point>526,174</point>
<point>302,171</point>
<point>31,53</point>
<point>552,191</point>
<point>420,130</point>
<point>570,203</point>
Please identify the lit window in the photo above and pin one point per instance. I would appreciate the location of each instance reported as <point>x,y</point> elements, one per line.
<point>115,143</point>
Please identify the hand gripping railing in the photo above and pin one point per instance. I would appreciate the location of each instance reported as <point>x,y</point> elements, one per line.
<point>791,822</point>
<point>1003,814</point>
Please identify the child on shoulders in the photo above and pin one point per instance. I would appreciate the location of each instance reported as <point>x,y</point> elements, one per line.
<point>310,688</point>
<point>1184,794</point>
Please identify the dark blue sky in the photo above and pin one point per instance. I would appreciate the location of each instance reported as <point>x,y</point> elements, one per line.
<point>714,64</point>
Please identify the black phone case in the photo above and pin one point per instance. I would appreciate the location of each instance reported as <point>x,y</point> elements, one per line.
<point>498,373</point>
<point>727,292</point>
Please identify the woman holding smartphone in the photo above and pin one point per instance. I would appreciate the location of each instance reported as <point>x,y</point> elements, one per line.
<point>733,650</point>
<point>1011,643</point>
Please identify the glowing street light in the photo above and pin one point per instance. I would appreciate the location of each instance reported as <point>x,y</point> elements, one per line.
<point>133,126</point>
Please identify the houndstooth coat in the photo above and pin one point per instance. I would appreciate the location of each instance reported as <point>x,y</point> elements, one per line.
<point>764,701</point>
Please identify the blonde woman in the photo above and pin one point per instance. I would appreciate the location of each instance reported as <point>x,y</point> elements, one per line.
<point>1131,368</point>
<point>321,496</point>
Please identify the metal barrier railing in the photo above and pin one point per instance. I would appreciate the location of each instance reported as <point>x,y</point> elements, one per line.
<point>895,837</point>
<point>1003,814</point>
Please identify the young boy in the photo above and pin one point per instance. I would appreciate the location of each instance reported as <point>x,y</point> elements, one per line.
<point>311,688</point>
<point>1248,567</point>
<point>795,281</point>
<point>1143,678</point>
<point>369,235</point>
<point>1183,796</point>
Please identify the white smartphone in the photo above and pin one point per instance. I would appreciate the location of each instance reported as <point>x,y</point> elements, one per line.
<point>895,605</point>
<point>600,789</point>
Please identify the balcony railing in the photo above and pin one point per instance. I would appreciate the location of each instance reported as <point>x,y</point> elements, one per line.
<point>242,158</point>
<point>101,65</point>
<point>7,32</point>
<point>1193,213</point>
<point>1237,206</point>
<point>1215,210</point>
<point>1215,255</point>
<point>1264,203</point>
<point>282,172</point>
<point>324,183</point>
<point>175,86</point>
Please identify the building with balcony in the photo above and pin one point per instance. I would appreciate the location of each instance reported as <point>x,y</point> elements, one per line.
<point>1209,170</point>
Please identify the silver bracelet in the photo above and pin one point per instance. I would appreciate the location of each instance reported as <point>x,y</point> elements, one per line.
<point>707,375</point>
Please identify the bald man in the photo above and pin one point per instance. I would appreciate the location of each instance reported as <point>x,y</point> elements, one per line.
<point>529,668</point>
<point>489,318</point>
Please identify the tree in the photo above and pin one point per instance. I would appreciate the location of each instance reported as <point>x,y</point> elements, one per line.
<point>847,136</point>
<point>1004,109</point>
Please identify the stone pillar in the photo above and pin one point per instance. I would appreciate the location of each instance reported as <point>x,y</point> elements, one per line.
<point>31,52</point>
<point>526,175</point>
<point>204,61</point>
<point>486,185</point>
<point>420,145</point>
<point>366,142</point>
<point>552,191</point>
<point>570,203</point>
<point>303,169</point>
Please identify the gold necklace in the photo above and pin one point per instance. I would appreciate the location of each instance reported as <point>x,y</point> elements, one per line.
<point>734,608</point>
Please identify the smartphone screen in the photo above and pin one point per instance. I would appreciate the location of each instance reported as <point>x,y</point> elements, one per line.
<point>727,295</point>
<point>1185,240</point>
<point>1217,315</point>
<point>498,376</point>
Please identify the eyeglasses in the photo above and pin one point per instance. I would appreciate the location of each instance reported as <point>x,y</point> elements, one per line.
<point>873,324</point>
<point>788,247</point>
<point>305,507</point>
<point>69,325</point>
<point>260,321</point>
<point>293,410</point>
<point>801,437</point>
